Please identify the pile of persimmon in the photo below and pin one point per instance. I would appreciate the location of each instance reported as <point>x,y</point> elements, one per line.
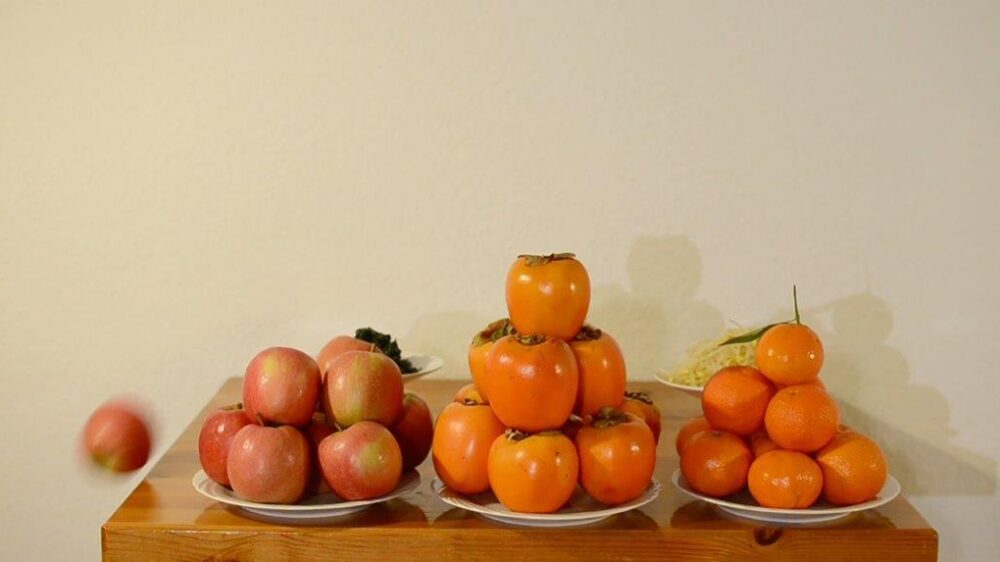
<point>775,430</point>
<point>548,407</point>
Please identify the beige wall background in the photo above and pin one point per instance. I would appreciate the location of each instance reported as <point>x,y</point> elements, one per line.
<point>183,184</point>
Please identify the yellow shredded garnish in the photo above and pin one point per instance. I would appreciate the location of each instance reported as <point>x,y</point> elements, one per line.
<point>707,357</point>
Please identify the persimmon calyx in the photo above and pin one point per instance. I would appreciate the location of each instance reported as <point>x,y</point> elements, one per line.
<point>517,435</point>
<point>493,331</point>
<point>640,396</point>
<point>588,333</point>
<point>532,260</point>
<point>529,339</point>
<point>608,417</point>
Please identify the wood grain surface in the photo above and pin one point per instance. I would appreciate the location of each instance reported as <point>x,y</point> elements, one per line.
<point>165,519</point>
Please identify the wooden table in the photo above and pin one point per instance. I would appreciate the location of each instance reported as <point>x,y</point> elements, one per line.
<point>165,519</point>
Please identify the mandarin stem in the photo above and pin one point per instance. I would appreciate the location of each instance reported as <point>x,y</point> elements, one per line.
<point>795,300</point>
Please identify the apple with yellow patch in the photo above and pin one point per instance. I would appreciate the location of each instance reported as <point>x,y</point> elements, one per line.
<point>363,386</point>
<point>361,462</point>
<point>281,386</point>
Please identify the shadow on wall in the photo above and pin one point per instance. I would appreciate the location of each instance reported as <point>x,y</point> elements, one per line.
<point>447,335</point>
<point>869,377</point>
<point>658,317</point>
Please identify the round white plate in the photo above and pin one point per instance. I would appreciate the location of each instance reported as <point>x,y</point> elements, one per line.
<point>425,365</point>
<point>743,505</point>
<point>322,506</point>
<point>580,510</point>
<point>692,390</point>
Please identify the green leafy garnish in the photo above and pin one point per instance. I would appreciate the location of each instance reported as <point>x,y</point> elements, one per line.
<point>750,336</point>
<point>388,345</point>
<point>756,334</point>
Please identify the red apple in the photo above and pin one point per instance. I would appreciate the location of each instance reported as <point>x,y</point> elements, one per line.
<point>268,464</point>
<point>215,438</point>
<point>414,431</point>
<point>116,437</point>
<point>338,345</point>
<point>362,385</point>
<point>281,386</point>
<point>317,430</point>
<point>361,462</point>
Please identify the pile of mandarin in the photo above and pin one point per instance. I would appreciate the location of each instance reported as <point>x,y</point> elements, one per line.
<point>548,407</point>
<point>775,430</point>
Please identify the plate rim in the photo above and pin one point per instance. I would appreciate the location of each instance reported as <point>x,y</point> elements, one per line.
<point>457,500</point>
<point>891,484</point>
<point>543,524</point>
<point>201,477</point>
<point>661,377</point>
<point>436,363</point>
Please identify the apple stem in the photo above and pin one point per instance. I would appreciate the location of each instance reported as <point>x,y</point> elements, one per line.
<point>260,419</point>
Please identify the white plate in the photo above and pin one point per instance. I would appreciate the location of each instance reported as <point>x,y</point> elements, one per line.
<point>425,365</point>
<point>692,390</point>
<point>580,510</point>
<point>743,505</point>
<point>322,506</point>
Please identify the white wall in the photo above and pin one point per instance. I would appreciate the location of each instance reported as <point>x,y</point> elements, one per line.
<point>182,184</point>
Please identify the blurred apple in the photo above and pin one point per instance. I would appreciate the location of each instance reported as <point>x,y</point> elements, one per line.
<point>117,437</point>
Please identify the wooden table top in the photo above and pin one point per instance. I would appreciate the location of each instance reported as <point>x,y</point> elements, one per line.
<point>165,519</point>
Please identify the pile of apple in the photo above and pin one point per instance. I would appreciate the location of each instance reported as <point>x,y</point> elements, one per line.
<point>548,408</point>
<point>340,422</point>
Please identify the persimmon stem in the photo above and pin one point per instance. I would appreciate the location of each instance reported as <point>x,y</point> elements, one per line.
<point>608,417</point>
<point>795,301</point>
<point>640,396</point>
<point>532,260</point>
<point>530,339</point>
<point>588,333</point>
<point>515,434</point>
<point>492,332</point>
